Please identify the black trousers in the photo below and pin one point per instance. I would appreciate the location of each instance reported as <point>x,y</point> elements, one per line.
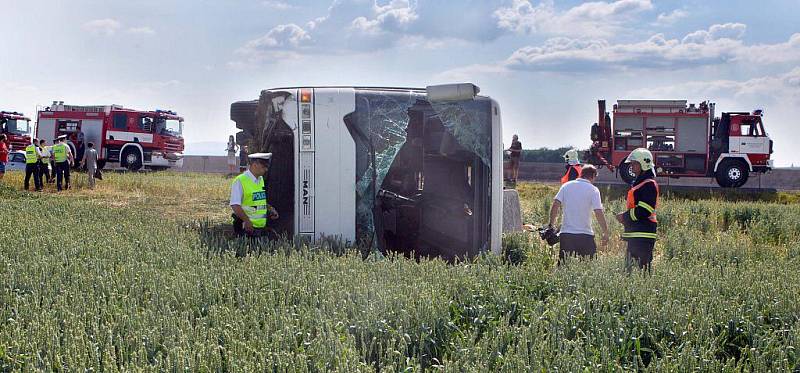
<point>238,227</point>
<point>62,171</point>
<point>33,169</point>
<point>640,250</point>
<point>44,172</point>
<point>582,245</point>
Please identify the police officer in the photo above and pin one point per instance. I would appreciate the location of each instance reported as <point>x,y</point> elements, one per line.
<point>573,166</point>
<point>640,219</point>
<point>249,198</point>
<point>44,163</point>
<point>32,158</point>
<point>64,160</point>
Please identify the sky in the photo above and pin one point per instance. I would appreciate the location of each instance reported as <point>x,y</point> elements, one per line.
<point>545,62</point>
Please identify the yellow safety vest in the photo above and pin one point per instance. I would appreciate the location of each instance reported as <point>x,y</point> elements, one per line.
<point>60,152</point>
<point>30,154</point>
<point>47,158</point>
<point>254,200</point>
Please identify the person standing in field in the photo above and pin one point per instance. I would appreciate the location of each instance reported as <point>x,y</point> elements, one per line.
<point>3,155</point>
<point>516,155</point>
<point>44,163</point>
<point>578,199</point>
<point>573,166</point>
<point>249,198</point>
<point>231,149</point>
<point>64,160</point>
<point>33,157</point>
<point>90,162</point>
<point>640,219</point>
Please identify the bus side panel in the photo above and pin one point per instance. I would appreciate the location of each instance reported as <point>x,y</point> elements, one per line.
<point>496,234</point>
<point>334,164</point>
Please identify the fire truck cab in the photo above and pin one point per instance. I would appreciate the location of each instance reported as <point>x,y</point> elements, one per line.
<point>17,129</point>
<point>686,140</point>
<point>123,137</point>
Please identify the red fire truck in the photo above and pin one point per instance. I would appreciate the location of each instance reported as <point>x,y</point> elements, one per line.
<point>16,127</point>
<point>686,140</point>
<point>123,137</point>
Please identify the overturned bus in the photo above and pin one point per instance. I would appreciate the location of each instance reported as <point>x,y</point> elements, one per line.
<point>410,170</point>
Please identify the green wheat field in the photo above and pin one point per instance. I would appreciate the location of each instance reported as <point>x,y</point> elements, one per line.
<point>138,274</point>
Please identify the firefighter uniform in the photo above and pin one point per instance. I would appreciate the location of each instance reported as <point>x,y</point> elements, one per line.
<point>573,172</point>
<point>61,155</point>
<point>573,166</point>
<point>32,156</point>
<point>640,218</point>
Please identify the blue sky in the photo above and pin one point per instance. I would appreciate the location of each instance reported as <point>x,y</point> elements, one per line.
<point>545,62</point>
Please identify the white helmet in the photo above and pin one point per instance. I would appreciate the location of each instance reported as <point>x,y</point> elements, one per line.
<point>571,157</point>
<point>643,156</point>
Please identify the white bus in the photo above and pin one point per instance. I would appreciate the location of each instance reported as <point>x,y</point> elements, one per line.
<point>410,170</point>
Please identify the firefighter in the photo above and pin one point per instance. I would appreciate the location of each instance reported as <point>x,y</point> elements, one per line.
<point>32,159</point>
<point>640,219</point>
<point>249,198</point>
<point>573,166</point>
<point>64,160</point>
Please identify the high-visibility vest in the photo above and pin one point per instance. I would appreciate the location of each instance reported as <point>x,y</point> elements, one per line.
<point>45,159</point>
<point>60,152</point>
<point>254,200</point>
<point>30,154</point>
<point>577,169</point>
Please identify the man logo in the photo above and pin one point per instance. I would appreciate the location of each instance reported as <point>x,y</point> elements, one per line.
<point>305,192</point>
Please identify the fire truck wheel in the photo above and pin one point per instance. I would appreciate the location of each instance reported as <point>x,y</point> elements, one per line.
<point>732,173</point>
<point>626,173</point>
<point>132,159</point>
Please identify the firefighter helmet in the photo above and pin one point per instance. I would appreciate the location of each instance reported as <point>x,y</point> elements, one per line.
<point>571,157</point>
<point>643,156</point>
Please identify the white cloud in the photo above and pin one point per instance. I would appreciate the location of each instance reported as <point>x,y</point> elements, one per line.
<point>666,19</point>
<point>718,44</point>
<point>277,5</point>
<point>363,26</point>
<point>716,32</point>
<point>596,19</point>
<point>144,30</point>
<point>106,26</point>
<point>782,88</point>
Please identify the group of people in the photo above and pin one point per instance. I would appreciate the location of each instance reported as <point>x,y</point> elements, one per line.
<point>578,199</point>
<point>50,164</point>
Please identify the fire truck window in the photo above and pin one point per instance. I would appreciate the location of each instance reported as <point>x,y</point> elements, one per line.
<point>120,121</point>
<point>751,129</point>
<point>146,124</point>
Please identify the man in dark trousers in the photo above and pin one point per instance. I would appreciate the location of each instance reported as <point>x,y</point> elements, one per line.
<point>578,199</point>
<point>64,160</point>
<point>640,219</point>
<point>33,157</point>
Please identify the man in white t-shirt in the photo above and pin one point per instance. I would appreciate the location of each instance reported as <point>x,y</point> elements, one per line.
<point>578,198</point>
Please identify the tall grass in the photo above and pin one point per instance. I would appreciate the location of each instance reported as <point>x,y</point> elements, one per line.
<point>90,284</point>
